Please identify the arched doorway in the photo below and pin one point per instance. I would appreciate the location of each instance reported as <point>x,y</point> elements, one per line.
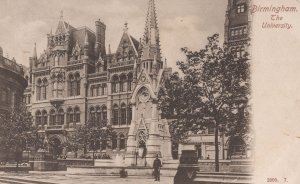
<point>237,147</point>
<point>55,146</point>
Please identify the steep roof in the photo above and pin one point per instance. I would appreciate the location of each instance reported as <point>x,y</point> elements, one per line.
<point>127,38</point>
<point>79,35</point>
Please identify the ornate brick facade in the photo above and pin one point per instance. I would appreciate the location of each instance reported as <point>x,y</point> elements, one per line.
<point>75,79</point>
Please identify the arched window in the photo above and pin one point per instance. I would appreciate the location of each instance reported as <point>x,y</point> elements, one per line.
<point>70,115</point>
<point>115,115</point>
<point>77,84</point>
<point>130,55</point>
<point>122,142</point>
<point>44,89</point>
<point>77,114</point>
<point>44,118</point>
<point>129,83</point>
<point>123,114</point>
<point>38,118</point>
<point>237,146</point>
<point>92,91</point>
<point>129,115</point>
<point>98,114</point>
<point>96,91</point>
<point>70,85</point>
<point>99,90</point>
<point>92,114</point>
<point>104,89</point>
<point>114,84</point>
<point>52,117</point>
<point>104,113</point>
<point>114,142</point>
<point>74,85</point>
<point>38,89</point>
<point>60,117</point>
<point>122,83</point>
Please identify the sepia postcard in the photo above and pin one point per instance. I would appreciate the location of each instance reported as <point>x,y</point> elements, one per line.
<point>150,91</point>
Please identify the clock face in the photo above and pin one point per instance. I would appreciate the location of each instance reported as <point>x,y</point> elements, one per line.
<point>144,96</point>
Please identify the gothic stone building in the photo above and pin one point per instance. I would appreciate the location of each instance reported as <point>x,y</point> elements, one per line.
<point>12,85</point>
<point>76,79</point>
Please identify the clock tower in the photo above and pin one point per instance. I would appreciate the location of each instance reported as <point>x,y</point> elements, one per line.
<point>148,135</point>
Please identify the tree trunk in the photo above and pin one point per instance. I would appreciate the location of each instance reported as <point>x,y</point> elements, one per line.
<point>17,169</point>
<point>217,148</point>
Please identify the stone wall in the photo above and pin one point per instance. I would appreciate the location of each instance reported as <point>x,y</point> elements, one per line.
<point>209,165</point>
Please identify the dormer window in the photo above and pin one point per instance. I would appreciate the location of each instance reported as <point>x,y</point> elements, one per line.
<point>241,8</point>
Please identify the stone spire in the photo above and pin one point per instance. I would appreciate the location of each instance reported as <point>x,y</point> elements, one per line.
<point>61,27</point>
<point>151,43</point>
<point>151,27</point>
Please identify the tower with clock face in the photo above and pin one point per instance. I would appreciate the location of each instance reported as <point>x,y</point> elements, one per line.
<point>148,135</point>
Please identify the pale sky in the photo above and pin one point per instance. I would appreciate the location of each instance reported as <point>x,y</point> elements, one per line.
<point>182,23</point>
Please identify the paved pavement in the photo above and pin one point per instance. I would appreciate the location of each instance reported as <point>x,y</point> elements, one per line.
<point>64,178</point>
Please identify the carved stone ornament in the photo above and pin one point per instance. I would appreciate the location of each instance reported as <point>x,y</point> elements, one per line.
<point>142,136</point>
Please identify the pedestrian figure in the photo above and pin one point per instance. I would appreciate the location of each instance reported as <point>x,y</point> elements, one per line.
<point>156,167</point>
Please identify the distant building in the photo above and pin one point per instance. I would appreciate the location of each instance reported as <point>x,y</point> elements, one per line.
<point>12,82</point>
<point>77,79</point>
<point>238,26</point>
<point>237,39</point>
<point>12,85</point>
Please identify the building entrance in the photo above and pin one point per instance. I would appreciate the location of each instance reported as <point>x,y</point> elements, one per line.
<point>55,146</point>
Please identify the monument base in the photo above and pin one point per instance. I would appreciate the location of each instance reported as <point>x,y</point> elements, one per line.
<point>44,161</point>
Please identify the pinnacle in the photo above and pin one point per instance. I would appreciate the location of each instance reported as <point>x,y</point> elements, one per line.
<point>34,52</point>
<point>86,39</point>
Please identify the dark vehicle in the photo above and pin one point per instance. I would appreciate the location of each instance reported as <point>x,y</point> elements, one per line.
<point>188,166</point>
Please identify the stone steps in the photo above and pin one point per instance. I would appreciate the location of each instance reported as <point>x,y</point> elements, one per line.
<point>10,180</point>
<point>222,178</point>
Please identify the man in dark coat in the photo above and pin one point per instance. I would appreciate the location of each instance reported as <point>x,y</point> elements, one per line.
<point>156,167</point>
